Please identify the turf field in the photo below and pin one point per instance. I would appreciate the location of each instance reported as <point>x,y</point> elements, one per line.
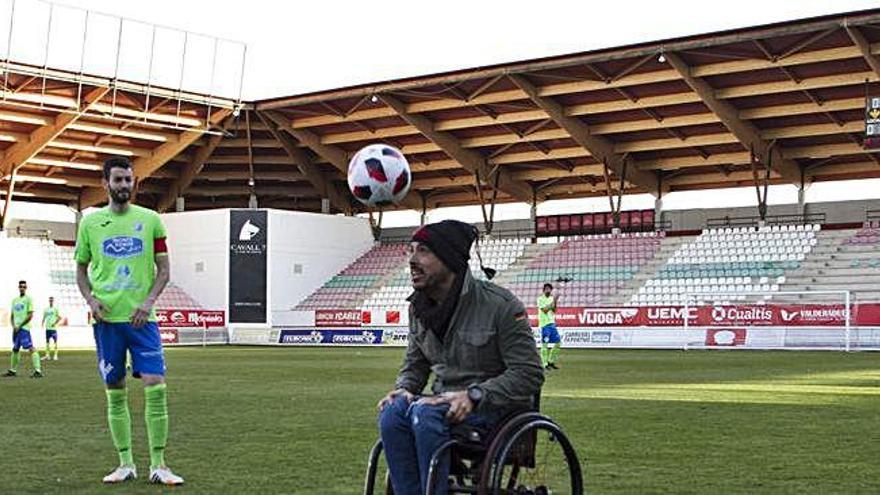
<point>268,420</point>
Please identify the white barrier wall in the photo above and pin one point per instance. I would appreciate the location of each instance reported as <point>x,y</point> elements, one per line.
<point>198,244</point>
<point>305,250</point>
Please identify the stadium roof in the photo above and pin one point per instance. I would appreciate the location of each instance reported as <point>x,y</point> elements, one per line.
<point>670,115</point>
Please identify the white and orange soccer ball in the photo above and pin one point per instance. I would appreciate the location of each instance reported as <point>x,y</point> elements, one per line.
<point>379,175</point>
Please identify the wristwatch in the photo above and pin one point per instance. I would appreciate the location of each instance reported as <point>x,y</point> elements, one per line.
<point>475,394</point>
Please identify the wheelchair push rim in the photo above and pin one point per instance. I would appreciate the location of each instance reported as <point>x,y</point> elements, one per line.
<point>536,459</point>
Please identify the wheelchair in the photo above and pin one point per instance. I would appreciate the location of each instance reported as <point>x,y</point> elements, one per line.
<point>526,453</point>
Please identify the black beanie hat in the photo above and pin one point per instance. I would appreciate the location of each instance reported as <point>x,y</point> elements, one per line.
<point>450,240</point>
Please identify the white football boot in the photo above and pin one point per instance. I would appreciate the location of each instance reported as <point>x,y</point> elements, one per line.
<point>163,475</point>
<point>121,473</point>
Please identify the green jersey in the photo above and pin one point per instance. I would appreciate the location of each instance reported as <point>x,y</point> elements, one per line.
<point>51,316</point>
<point>21,307</point>
<point>121,249</point>
<point>546,318</point>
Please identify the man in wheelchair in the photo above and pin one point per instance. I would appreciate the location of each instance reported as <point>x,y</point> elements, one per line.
<point>475,338</point>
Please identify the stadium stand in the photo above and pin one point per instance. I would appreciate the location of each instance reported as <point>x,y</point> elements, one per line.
<point>642,269</point>
<point>596,267</point>
<point>730,262</point>
<point>351,286</point>
<point>499,254</point>
<point>842,260</point>
<point>52,272</point>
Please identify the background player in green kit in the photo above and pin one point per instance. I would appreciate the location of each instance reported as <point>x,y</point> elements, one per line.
<point>51,318</point>
<point>122,267</point>
<point>547,322</point>
<point>20,318</point>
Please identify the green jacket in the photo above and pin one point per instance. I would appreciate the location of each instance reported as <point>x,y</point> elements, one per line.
<point>489,343</point>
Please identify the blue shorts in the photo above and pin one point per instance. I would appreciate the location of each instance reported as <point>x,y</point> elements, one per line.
<point>20,339</point>
<point>549,334</point>
<point>113,340</point>
<point>52,334</point>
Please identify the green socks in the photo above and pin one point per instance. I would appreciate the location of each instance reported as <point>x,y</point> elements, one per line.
<point>13,366</point>
<point>554,353</point>
<point>16,359</point>
<point>549,356</point>
<point>120,424</point>
<point>156,415</point>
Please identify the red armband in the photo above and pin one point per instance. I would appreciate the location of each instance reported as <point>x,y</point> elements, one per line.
<point>159,246</point>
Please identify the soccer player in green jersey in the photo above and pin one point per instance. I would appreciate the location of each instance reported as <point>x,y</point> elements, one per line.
<point>547,322</point>
<point>122,267</point>
<point>20,318</point>
<point>51,317</point>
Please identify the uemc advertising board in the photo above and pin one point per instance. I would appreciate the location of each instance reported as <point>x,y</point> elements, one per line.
<point>248,238</point>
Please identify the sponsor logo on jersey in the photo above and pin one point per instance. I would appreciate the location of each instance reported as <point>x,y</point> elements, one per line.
<point>123,247</point>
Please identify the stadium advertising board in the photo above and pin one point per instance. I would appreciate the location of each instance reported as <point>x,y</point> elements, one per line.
<point>190,318</point>
<point>307,336</point>
<point>341,317</point>
<point>872,122</point>
<point>168,335</point>
<point>248,236</point>
<point>726,336</point>
<point>775,315</point>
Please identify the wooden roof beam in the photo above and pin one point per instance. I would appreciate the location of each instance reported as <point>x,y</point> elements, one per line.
<point>193,168</point>
<point>336,156</point>
<point>304,163</point>
<point>22,151</point>
<point>637,79</point>
<point>145,166</point>
<point>864,47</point>
<point>627,52</point>
<point>286,191</point>
<point>746,133</point>
<point>470,160</point>
<point>600,148</point>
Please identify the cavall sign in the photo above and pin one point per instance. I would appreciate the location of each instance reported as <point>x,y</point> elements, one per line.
<point>775,315</point>
<point>190,318</point>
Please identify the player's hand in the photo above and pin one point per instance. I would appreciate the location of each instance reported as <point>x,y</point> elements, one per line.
<point>460,405</point>
<point>389,398</point>
<point>97,309</point>
<point>141,315</point>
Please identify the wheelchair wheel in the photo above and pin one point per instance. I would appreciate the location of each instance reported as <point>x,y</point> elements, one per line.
<point>375,466</point>
<point>535,458</point>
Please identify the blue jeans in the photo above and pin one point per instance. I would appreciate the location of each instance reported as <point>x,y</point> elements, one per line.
<point>411,433</point>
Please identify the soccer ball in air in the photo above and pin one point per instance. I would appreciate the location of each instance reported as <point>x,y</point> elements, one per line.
<point>379,175</point>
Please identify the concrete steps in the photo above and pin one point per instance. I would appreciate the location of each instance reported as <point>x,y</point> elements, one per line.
<point>835,266</point>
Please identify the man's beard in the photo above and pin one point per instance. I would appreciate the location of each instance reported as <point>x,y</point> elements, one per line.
<point>121,196</point>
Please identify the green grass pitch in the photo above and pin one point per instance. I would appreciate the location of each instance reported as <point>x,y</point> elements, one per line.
<point>301,420</point>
